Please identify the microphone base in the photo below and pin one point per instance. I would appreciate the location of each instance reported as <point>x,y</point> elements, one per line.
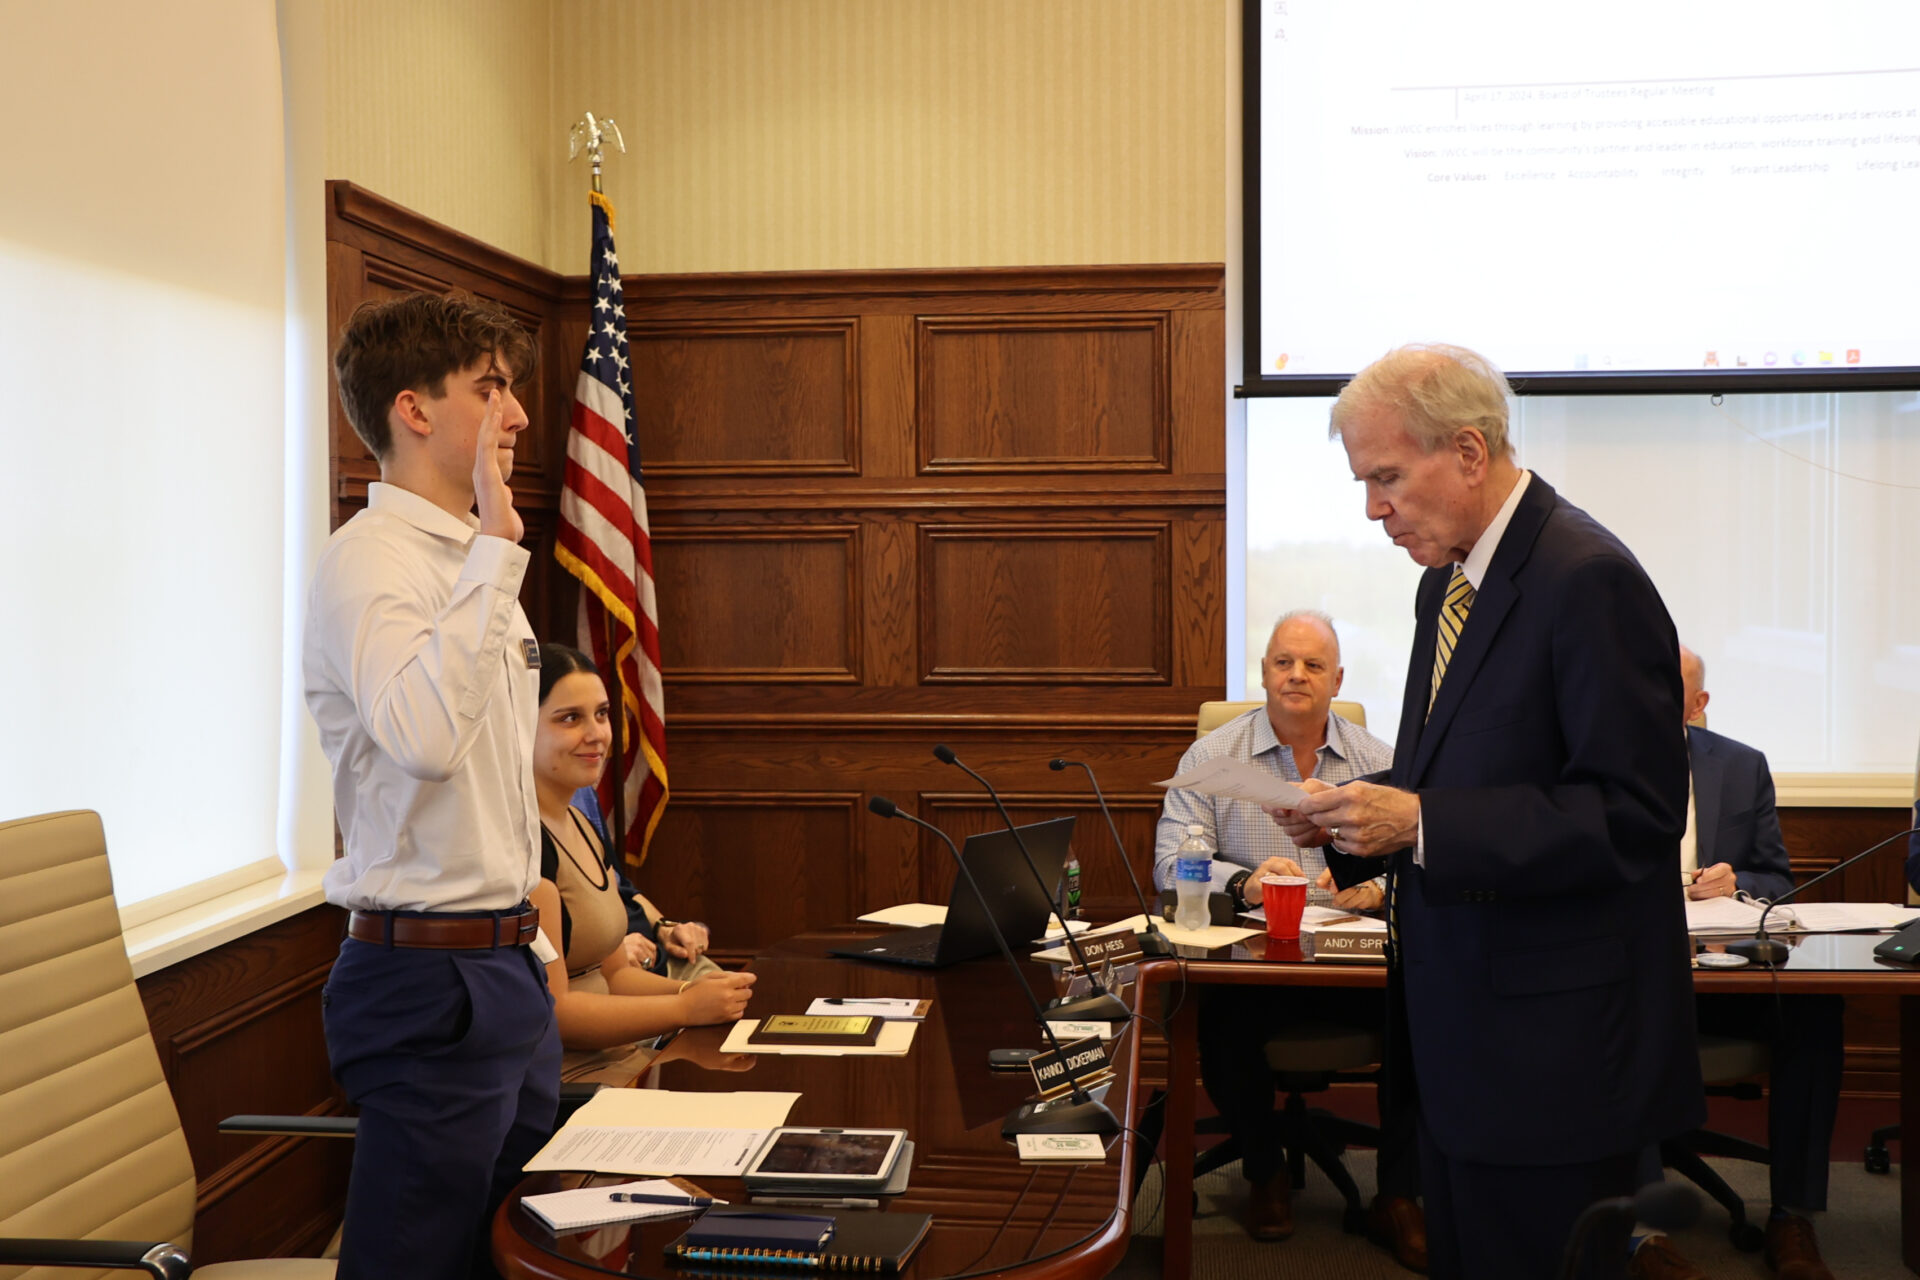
<point>1061,1115</point>
<point>1099,1006</point>
<point>1767,951</point>
<point>1154,945</point>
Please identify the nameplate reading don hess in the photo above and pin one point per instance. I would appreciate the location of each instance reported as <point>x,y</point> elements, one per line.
<point>1056,1070</point>
<point>1116,949</point>
<point>1368,948</point>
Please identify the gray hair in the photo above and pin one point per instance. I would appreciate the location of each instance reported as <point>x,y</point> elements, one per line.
<point>1320,616</point>
<point>1438,392</point>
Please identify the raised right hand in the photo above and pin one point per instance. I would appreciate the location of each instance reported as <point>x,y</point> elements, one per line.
<point>492,500</point>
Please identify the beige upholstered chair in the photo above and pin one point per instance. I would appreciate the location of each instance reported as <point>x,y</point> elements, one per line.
<point>94,1170</point>
<point>1215,714</point>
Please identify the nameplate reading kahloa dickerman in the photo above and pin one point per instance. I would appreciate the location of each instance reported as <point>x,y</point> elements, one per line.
<point>1237,780</point>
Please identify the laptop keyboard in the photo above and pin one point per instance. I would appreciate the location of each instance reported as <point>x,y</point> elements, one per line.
<point>918,944</point>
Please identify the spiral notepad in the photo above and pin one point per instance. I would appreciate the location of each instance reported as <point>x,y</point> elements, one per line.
<point>860,1241</point>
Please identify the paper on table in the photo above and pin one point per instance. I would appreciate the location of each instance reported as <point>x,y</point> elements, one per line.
<point>667,1109</point>
<point>895,1039</point>
<point>1237,780</point>
<point>1218,935</point>
<point>908,913</point>
<point>705,1153</point>
<point>1845,917</point>
<point>1729,915</point>
<point>585,1207</point>
<point>907,1010</point>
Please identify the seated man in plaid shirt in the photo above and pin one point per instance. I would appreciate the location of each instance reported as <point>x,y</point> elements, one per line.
<point>1295,736</point>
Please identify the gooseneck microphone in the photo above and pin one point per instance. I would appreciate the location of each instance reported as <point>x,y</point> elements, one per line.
<point>1152,941</point>
<point>1100,1006</point>
<point>1080,1113</point>
<point>1664,1206</point>
<point>1764,950</point>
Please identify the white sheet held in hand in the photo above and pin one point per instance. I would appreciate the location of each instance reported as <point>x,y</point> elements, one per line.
<point>1237,780</point>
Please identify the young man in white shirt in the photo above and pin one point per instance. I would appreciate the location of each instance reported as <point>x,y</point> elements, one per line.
<point>420,670</point>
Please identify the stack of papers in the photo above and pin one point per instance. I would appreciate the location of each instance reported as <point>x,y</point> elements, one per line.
<point>1732,915</point>
<point>665,1133</point>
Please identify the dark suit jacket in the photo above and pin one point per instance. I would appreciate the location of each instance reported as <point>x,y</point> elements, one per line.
<point>1542,949</point>
<point>1734,820</point>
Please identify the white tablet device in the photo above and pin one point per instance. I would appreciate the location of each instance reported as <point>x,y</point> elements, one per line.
<point>826,1159</point>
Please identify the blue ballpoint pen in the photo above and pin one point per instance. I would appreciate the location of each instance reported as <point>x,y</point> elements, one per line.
<point>640,1197</point>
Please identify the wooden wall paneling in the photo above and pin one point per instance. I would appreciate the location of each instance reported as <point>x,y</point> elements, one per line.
<point>1055,393</point>
<point>1199,405</point>
<point>890,587</point>
<point>760,603</point>
<point>757,866</point>
<point>887,395</point>
<point>742,397</point>
<point>1199,601</point>
<point>1052,603</point>
<point>239,1030</point>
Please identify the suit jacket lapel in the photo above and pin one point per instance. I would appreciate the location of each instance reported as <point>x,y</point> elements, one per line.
<point>1413,703</point>
<point>1707,774</point>
<point>1491,604</point>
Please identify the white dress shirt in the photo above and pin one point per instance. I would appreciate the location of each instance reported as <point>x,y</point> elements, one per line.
<point>1474,569</point>
<point>417,671</point>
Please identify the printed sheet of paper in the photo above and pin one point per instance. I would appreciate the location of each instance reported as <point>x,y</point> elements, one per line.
<point>1237,780</point>
<point>703,1153</point>
<point>908,913</point>
<point>1729,915</point>
<point>889,1007</point>
<point>667,1109</point>
<point>1218,935</point>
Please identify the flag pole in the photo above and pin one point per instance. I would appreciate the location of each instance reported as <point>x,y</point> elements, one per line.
<point>589,135</point>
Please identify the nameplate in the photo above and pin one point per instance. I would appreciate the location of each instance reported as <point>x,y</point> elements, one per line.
<point>1110,949</point>
<point>1056,1070</point>
<point>1368,948</point>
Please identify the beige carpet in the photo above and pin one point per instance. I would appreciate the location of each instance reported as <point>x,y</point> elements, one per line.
<point>1859,1234</point>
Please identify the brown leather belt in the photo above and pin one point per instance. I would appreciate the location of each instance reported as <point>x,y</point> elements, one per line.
<point>446,933</point>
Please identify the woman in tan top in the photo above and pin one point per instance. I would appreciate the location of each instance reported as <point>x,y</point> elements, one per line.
<point>604,998</point>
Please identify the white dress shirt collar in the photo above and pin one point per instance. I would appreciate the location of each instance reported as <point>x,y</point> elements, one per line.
<point>1475,565</point>
<point>392,500</point>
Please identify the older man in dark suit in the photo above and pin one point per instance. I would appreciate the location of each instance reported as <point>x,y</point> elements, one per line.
<point>1531,823</point>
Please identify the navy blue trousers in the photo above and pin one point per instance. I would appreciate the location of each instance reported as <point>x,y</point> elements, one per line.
<point>453,1058</point>
<point>1803,1084</point>
<point>1512,1222</point>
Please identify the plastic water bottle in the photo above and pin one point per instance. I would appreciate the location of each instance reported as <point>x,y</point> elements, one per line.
<point>1070,894</point>
<point>1192,879</point>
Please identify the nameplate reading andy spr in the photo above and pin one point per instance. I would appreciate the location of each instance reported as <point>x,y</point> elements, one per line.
<point>1368,948</point>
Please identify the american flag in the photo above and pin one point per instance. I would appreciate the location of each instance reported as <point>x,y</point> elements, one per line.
<point>605,543</point>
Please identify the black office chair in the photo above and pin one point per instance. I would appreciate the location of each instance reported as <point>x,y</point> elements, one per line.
<point>1312,1057</point>
<point>1729,1067</point>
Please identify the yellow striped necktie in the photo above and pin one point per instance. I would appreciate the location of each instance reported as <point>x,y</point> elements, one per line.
<point>1453,618</point>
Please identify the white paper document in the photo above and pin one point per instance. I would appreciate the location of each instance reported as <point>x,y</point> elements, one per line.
<point>1732,915</point>
<point>908,913</point>
<point>704,1153</point>
<point>1237,780</point>
<point>586,1207</point>
<point>668,1109</point>
<point>1218,935</point>
<point>894,1009</point>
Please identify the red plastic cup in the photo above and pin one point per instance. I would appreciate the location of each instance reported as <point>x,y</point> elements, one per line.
<point>1285,900</point>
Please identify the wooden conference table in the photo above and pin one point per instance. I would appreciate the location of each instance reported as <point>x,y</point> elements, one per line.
<point>992,1214</point>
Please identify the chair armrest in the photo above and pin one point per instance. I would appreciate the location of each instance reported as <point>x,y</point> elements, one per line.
<point>163,1261</point>
<point>293,1126</point>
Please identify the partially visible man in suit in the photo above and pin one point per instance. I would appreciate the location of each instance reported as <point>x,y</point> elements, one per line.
<point>1531,825</point>
<point>1733,844</point>
<point>1295,735</point>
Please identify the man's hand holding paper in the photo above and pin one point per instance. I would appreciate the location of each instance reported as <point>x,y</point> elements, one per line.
<point>1302,830</point>
<point>1363,819</point>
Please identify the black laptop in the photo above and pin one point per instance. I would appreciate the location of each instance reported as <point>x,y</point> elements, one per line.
<point>1020,907</point>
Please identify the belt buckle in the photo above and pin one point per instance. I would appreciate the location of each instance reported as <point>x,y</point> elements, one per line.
<point>529,929</point>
